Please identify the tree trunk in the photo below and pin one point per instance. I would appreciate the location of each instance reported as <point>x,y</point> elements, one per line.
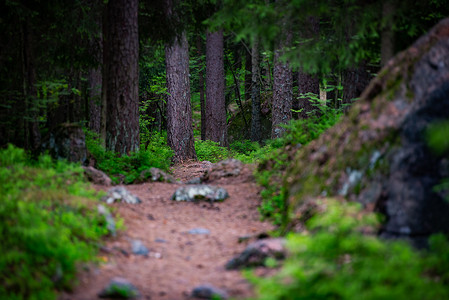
<point>179,111</point>
<point>281,112</point>
<point>121,54</point>
<point>32,132</point>
<point>256,127</point>
<point>94,99</point>
<point>199,49</point>
<point>248,66</point>
<point>355,81</point>
<point>216,128</point>
<point>387,36</point>
<point>306,84</point>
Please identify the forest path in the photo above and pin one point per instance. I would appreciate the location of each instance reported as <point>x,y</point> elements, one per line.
<point>178,261</point>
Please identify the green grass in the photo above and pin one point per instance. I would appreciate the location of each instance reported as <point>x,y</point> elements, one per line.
<point>332,259</point>
<point>129,167</point>
<point>49,224</point>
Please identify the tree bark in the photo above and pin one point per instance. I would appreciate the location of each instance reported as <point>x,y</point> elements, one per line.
<point>216,127</point>
<point>32,132</point>
<point>248,76</point>
<point>387,35</point>
<point>94,95</point>
<point>199,49</point>
<point>256,127</point>
<point>306,84</point>
<point>121,54</point>
<point>355,80</point>
<point>179,111</point>
<point>281,112</point>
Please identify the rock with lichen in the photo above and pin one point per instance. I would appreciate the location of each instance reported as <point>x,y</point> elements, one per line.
<point>378,154</point>
<point>197,192</point>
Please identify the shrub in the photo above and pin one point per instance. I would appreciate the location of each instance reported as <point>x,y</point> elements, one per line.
<point>49,224</point>
<point>210,151</point>
<point>334,260</point>
<point>274,162</point>
<point>129,167</point>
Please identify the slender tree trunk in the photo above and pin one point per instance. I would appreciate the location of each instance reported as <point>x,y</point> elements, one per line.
<point>355,81</point>
<point>248,66</point>
<point>256,127</point>
<point>387,36</point>
<point>179,111</point>
<point>95,78</point>
<point>215,98</point>
<point>32,132</point>
<point>121,54</point>
<point>199,49</point>
<point>94,99</point>
<point>281,112</point>
<point>306,84</point>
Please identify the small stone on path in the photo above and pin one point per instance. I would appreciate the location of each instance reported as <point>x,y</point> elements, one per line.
<point>207,291</point>
<point>119,288</point>
<point>256,253</point>
<point>120,194</point>
<point>199,231</point>
<point>139,248</point>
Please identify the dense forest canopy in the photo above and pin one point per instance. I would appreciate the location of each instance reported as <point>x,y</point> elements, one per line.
<point>58,61</point>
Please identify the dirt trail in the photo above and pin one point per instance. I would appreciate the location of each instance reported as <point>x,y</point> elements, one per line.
<point>185,260</point>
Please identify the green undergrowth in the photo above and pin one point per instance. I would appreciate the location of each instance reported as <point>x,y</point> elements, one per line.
<point>245,151</point>
<point>49,223</point>
<point>210,151</point>
<point>127,168</point>
<point>274,162</point>
<point>333,259</point>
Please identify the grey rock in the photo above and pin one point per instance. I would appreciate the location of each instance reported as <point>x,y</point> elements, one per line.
<point>156,175</point>
<point>110,223</point>
<point>97,176</point>
<point>196,180</point>
<point>120,194</point>
<point>226,168</point>
<point>200,192</point>
<point>199,231</point>
<point>354,177</point>
<point>138,248</point>
<point>256,253</point>
<point>207,291</point>
<point>383,136</point>
<point>119,288</point>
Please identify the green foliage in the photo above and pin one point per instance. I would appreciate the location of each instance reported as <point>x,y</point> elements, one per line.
<point>129,167</point>
<point>49,224</point>
<point>274,162</point>
<point>437,136</point>
<point>334,260</point>
<point>210,151</point>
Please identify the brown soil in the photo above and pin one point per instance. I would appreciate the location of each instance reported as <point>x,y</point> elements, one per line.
<point>174,267</point>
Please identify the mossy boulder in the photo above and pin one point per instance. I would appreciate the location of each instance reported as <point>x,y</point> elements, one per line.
<point>378,154</point>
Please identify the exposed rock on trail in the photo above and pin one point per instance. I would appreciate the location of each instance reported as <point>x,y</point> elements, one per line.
<point>200,192</point>
<point>120,193</point>
<point>378,154</point>
<point>188,243</point>
<point>256,253</point>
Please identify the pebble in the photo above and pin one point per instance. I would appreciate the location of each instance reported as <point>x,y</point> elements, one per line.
<point>207,291</point>
<point>138,248</point>
<point>199,231</point>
